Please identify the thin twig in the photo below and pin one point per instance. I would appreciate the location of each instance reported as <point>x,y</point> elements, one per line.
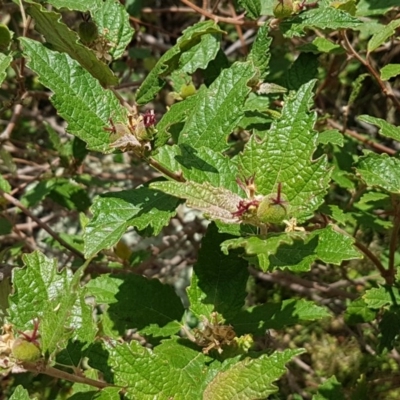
<point>35,367</point>
<point>15,202</point>
<point>394,236</point>
<point>376,146</point>
<point>386,88</point>
<point>176,176</point>
<point>234,21</point>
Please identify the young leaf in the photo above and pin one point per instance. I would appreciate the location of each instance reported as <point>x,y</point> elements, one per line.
<point>258,319</point>
<point>77,5</point>
<point>380,170</point>
<point>113,213</point>
<point>331,389</point>
<point>332,136</point>
<point>170,60</point>
<point>252,7</point>
<point>390,71</point>
<point>250,378</point>
<point>259,53</point>
<point>156,309</point>
<point>384,34</point>
<point>49,24</point>
<point>319,18</point>
<point>5,62</point>
<point>382,296</point>
<point>218,286</point>
<point>78,97</point>
<point>285,156</point>
<point>217,202</point>
<point>219,108</point>
<point>112,21</point>
<point>322,45</point>
<point>21,394</point>
<point>296,251</point>
<point>386,129</point>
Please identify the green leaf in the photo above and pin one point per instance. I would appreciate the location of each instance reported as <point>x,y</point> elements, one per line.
<point>5,62</point>
<point>49,24</point>
<point>155,308</point>
<point>108,393</point>
<point>63,191</point>
<point>21,394</point>
<point>173,120</point>
<point>113,213</point>
<point>218,286</point>
<point>76,95</point>
<point>384,34</point>
<point>367,8</point>
<point>250,378</point>
<point>348,6</point>
<point>386,129</point>
<point>219,108</point>
<point>252,7</point>
<point>217,202</point>
<point>356,87</point>
<point>172,370</point>
<point>331,389</point>
<point>380,170</point>
<point>332,136</point>
<point>170,60</point>
<point>4,185</point>
<point>258,319</point>
<point>389,71</point>
<point>358,312</point>
<point>296,250</point>
<point>199,55</point>
<point>318,18</point>
<point>304,69</point>
<point>389,326</point>
<point>77,5</point>
<point>200,165</point>
<point>382,296</point>
<point>285,156</point>
<point>322,45</point>
<point>55,299</point>
<point>112,20</point>
<point>6,226</point>
<point>260,52</point>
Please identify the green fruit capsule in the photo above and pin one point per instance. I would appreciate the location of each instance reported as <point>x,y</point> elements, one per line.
<point>271,210</point>
<point>283,8</point>
<point>88,32</point>
<point>23,350</point>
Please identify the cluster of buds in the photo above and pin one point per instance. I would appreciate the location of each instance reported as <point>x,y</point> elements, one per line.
<point>133,135</point>
<point>89,35</point>
<point>214,335</point>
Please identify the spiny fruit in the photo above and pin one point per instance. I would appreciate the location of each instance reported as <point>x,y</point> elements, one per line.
<point>24,350</point>
<point>88,32</point>
<point>272,209</point>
